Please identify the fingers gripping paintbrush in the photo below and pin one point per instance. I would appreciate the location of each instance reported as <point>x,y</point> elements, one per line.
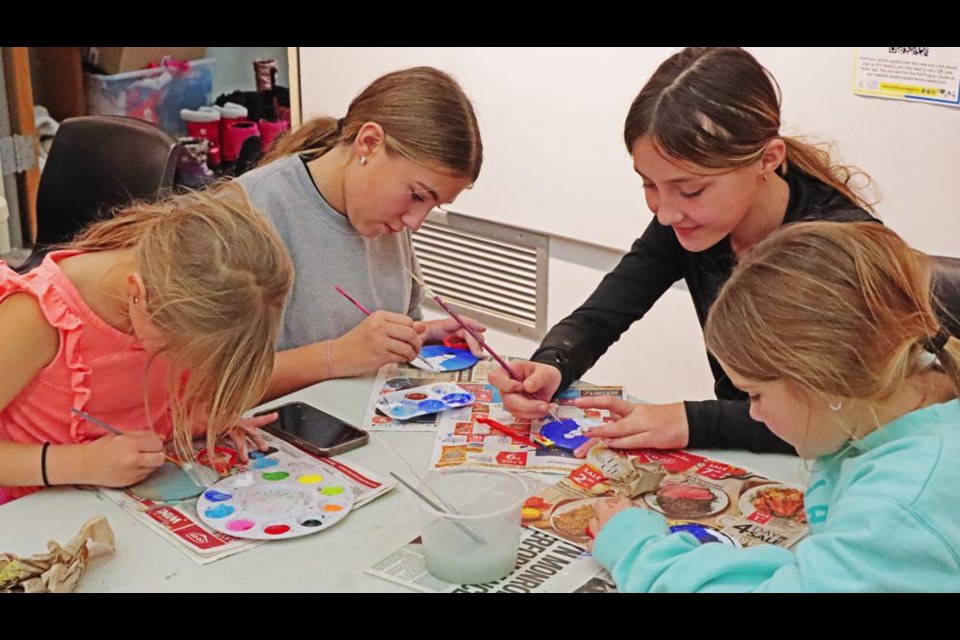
<point>453,314</point>
<point>417,360</point>
<point>202,476</point>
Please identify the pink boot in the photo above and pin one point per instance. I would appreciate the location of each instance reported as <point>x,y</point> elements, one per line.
<point>270,130</point>
<point>236,133</point>
<point>229,113</point>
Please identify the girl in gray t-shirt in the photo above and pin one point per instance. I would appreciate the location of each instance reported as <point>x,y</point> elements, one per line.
<point>345,196</point>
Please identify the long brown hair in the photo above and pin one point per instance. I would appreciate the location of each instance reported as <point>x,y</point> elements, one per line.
<point>844,309</point>
<point>718,108</point>
<point>216,276</point>
<point>424,112</point>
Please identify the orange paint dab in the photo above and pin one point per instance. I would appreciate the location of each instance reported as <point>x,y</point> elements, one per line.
<point>333,507</point>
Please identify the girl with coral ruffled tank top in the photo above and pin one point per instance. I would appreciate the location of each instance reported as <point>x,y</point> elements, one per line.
<point>160,321</point>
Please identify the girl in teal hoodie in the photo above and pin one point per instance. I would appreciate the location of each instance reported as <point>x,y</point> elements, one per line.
<point>831,330</point>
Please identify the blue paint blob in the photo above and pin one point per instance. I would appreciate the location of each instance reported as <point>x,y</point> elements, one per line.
<point>431,406</point>
<point>403,410</point>
<point>219,511</point>
<point>254,455</point>
<point>560,433</point>
<point>703,533</point>
<point>263,463</point>
<point>458,399</point>
<point>215,496</point>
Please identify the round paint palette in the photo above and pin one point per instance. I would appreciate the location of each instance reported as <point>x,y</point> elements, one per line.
<point>431,398</point>
<point>283,501</point>
<point>566,434</point>
<point>703,533</point>
<point>446,358</point>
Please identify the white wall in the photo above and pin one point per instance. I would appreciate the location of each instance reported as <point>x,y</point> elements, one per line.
<point>660,359</point>
<point>910,149</point>
<point>552,119</point>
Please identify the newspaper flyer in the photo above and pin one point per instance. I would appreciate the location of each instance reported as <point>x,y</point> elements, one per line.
<point>461,440</point>
<point>179,524</point>
<point>545,564</point>
<point>397,377</point>
<point>714,501</point>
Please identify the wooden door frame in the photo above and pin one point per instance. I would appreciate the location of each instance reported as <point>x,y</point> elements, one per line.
<point>293,75</point>
<point>16,68</point>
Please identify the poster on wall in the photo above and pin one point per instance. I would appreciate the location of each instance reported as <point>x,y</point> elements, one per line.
<point>919,74</point>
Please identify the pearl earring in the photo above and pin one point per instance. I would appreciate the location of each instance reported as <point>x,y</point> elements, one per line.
<point>363,160</point>
<point>835,407</point>
<point>136,300</point>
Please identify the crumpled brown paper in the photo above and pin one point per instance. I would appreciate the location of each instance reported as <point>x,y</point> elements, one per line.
<point>59,570</point>
<point>621,475</point>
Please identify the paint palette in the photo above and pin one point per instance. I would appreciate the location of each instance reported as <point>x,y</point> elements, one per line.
<point>282,501</point>
<point>446,358</point>
<point>566,434</point>
<point>410,403</point>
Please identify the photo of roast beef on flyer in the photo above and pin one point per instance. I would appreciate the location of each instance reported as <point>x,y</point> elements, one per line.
<point>712,500</point>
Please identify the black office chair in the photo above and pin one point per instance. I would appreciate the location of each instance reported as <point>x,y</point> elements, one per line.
<point>95,165</point>
<point>946,286</point>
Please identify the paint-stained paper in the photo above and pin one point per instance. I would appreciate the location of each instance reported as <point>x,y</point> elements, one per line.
<point>59,570</point>
<point>464,441</point>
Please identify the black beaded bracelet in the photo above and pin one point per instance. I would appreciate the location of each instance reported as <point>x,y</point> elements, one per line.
<point>43,463</point>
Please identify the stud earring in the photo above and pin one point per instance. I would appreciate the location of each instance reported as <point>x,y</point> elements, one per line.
<point>363,160</point>
<point>764,174</point>
<point>136,300</point>
<point>835,407</point>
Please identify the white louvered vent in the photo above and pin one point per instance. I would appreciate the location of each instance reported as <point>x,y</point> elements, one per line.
<point>493,272</point>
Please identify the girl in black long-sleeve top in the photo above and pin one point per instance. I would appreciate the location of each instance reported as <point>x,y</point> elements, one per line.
<point>718,176</point>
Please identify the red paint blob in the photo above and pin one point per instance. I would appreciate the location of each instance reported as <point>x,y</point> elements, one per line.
<point>276,529</point>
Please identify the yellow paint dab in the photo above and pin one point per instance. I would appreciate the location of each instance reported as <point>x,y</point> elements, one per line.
<point>310,479</point>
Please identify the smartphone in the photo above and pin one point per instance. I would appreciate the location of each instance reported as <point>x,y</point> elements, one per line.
<point>313,430</point>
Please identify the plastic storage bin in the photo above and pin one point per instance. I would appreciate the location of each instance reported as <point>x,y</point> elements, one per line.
<point>154,95</point>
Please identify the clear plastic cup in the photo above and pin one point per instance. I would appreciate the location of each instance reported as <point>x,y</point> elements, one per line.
<point>475,538</point>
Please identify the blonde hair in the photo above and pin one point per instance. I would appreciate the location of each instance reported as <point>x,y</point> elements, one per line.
<point>425,114</point>
<point>216,277</point>
<point>718,108</point>
<point>843,309</point>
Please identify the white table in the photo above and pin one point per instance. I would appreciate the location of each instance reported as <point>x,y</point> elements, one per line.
<point>333,560</point>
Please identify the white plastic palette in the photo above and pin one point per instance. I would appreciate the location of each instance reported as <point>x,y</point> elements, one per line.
<point>431,398</point>
<point>285,501</point>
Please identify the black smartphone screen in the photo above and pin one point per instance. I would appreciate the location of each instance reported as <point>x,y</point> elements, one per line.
<point>311,426</point>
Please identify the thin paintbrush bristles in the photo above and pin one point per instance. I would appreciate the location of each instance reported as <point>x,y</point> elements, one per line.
<point>430,292</point>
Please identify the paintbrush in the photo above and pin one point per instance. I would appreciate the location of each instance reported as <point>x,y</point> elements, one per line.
<point>416,360</point>
<point>453,314</point>
<point>502,428</point>
<point>413,472</point>
<point>433,505</point>
<point>200,475</point>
